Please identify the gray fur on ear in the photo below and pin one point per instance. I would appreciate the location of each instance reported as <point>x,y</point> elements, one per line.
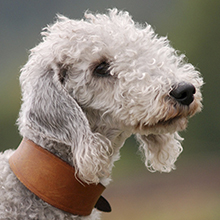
<point>161,151</point>
<point>49,111</point>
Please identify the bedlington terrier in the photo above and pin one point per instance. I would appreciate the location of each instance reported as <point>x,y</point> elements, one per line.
<point>87,87</point>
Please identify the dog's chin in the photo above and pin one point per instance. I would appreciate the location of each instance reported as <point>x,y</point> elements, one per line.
<point>163,126</point>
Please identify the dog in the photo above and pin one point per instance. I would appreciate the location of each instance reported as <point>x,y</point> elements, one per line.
<point>88,86</point>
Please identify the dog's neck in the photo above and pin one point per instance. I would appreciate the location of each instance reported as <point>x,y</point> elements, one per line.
<point>104,124</point>
<point>61,150</point>
<point>23,164</point>
<point>64,152</point>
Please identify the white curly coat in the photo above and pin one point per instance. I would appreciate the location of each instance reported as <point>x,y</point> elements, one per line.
<point>84,115</point>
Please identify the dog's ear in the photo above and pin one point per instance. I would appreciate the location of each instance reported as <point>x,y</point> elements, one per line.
<point>50,111</point>
<point>160,151</point>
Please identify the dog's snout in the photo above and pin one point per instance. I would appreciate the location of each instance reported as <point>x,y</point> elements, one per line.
<point>183,93</point>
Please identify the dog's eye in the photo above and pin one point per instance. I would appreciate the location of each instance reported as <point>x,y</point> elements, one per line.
<point>102,70</point>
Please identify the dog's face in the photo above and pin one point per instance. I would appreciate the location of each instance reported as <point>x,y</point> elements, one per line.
<point>109,74</point>
<point>124,71</point>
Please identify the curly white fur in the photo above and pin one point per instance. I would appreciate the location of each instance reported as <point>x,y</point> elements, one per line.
<point>85,118</point>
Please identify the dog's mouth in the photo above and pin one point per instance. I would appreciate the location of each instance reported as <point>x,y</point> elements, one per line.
<point>175,119</point>
<point>166,122</point>
<point>170,125</point>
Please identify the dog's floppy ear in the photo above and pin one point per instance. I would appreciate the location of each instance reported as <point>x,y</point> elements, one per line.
<point>49,111</point>
<point>161,150</point>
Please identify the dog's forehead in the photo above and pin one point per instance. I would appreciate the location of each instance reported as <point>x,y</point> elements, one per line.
<point>115,36</point>
<point>113,31</point>
<point>119,42</point>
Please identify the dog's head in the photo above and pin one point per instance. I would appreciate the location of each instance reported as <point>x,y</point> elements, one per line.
<point>91,83</point>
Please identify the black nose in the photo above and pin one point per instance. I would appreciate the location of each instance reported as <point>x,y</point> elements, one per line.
<point>183,93</point>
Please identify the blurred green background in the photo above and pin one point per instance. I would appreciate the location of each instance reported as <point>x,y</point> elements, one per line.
<point>192,191</point>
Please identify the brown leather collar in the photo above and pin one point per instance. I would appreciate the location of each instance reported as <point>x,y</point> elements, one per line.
<point>54,181</point>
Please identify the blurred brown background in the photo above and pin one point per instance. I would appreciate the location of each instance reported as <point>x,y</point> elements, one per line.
<point>191,192</point>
